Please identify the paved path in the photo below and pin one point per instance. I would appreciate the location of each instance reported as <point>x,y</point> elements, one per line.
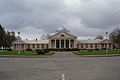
<point>64,54</point>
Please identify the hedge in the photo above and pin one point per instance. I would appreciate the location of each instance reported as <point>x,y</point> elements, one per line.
<point>61,49</point>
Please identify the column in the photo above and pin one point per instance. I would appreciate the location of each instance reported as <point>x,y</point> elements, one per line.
<point>74,44</point>
<point>107,45</point>
<point>69,44</point>
<point>59,43</point>
<point>16,47</point>
<point>55,43</point>
<point>50,44</point>
<point>100,46</point>
<point>19,46</point>
<point>40,46</point>
<point>64,43</point>
<point>24,47</point>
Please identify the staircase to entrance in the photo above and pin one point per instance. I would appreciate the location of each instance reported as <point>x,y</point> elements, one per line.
<point>64,54</point>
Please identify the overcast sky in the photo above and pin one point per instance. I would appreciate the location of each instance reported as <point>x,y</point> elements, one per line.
<point>84,18</point>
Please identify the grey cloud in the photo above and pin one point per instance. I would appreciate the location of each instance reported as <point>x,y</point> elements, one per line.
<point>81,17</point>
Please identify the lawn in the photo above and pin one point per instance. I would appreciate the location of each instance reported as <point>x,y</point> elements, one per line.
<point>98,52</point>
<point>22,53</point>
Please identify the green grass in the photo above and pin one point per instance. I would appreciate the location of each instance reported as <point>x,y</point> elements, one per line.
<point>23,53</point>
<point>102,52</point>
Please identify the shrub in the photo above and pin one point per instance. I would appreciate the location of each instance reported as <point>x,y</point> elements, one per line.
<point>6,49</point>
<point>57,49</point>
<point>28,49</point>
<point>90,50</point>
<point>9,50</point>
<point>41,51</point>
<point>75,49</point>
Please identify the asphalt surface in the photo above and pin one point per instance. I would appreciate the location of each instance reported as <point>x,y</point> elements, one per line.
<point>51,68</point>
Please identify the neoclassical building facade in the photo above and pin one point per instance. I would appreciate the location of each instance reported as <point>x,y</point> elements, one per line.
<point>61,39</point>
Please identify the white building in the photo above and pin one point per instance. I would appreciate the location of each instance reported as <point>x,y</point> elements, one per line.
<point>61,39</point>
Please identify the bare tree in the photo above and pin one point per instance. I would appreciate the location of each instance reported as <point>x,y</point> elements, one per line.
<point>115,38</point>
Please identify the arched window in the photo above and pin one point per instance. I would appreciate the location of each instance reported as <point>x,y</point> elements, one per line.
<point>62,35</point>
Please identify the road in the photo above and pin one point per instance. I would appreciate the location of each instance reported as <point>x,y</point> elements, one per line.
<point>51,68</point>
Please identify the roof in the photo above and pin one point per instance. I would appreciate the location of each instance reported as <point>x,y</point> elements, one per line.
<point>90,41</point>
<point>62,29</point>
<point>31,42</point>
<point>52,34</point>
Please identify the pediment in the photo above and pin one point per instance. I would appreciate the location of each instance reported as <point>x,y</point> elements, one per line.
<point>63,35</point>
<point>106,41</point>
<point>18,41</point>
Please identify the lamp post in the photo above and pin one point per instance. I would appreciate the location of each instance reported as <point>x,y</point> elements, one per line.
<point>106,43</point>
<point>18,43</point>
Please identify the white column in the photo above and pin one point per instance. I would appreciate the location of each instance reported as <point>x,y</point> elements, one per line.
<point>64,43</point>
<point>16,47</point>
<point>24,46</point>
<point>74,44</point>
<point>69,44</point>
<point>107,45</point>
<point>50,44</point>
<point>55,43</point>
<point>100,46</point>
<point>20,47</point>
<point>60,43</point>
<point>104,45</point>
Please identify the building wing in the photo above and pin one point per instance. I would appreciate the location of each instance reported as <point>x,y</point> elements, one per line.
<point>31,42</point>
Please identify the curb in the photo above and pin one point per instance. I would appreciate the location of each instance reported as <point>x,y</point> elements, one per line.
<point>106,55</point>
<point>47,56</point>
<point>23,56</point>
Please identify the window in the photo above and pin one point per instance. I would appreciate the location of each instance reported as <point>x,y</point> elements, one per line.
<point>37,45</point>
<point>62,35</point>
<point>33,46</point>
<point>81,45</point>
<point>102,45</point>
<point>28,46</point>
<point>22,46</point>
<point>42,45</point>
<point>86,45</point>
<point>95,45</point>
<point>91,45</point>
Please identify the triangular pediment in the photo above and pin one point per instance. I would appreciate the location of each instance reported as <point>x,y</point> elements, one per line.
<point>106,41</point>
<point>18,42</point>
<point>62,35</point>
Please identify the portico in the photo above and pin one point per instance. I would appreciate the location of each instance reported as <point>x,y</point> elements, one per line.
<point>62,43</point>
<point>62,39</point>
